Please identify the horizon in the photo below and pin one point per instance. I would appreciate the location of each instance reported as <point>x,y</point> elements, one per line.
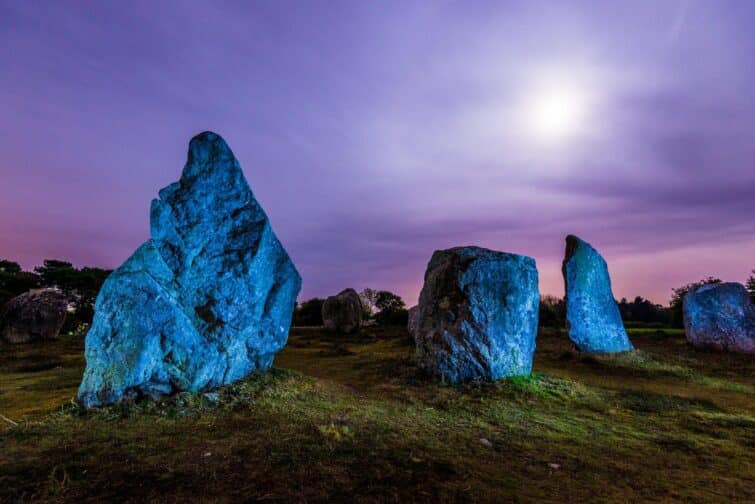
<point>383,138</point>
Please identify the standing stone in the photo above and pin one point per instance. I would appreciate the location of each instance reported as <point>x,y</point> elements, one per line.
<point>343,312</point>
<point>592,315</point>
<point>33,316</point>
<point>412,321</point>
<point>205,302</point>
<point>478,314</point>
<point>720,317</point>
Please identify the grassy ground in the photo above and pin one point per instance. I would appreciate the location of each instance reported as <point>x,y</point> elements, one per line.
<point>350,419</point>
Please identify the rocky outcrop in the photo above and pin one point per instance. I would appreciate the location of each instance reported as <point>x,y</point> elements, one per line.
<point>720,317</point>
<point>33,316</point>
<point>412,321</point>
<point>592,315</point>
<point>478,315</point>
<point>206,301</point>
<point>343,312</point>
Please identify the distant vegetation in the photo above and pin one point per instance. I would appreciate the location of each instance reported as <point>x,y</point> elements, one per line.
<point>384,307</point>
<point>80,286</point>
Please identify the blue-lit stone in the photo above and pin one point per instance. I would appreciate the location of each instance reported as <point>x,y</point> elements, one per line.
<point>478,315</point>
<point>206,301</point>
<point>720,317</point>
<point>592,314</point>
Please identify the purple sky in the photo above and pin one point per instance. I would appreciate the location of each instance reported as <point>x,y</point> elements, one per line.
<point>376,132</point>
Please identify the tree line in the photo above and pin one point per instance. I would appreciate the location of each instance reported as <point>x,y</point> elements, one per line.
<point>81,287</point>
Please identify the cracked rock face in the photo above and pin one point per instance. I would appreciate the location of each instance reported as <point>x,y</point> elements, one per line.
<point>592,314</point>
<point>720,317</point>
<point>33,316</point>
<point>206,301</point>
<point>477,316</point>
<point>343,312</point>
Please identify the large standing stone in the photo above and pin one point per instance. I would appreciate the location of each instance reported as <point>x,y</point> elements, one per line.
<point>478,314</point>
<point>343,312</point>
<point>206,301</point>
<point>33,316</point>
<point>592,315</point>
<point>721,317</point>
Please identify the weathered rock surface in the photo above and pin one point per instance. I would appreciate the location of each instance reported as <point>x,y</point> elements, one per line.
<point>592,315</point>
<point>343,312</point>
<point>478,315</point>
<point>412,321</point>
<point>720,317</point>
<point>33,316</point>
<point>206,301</point>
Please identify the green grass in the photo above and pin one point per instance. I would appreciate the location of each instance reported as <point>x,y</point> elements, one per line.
<point>666,331</point>
<point>351,419</point>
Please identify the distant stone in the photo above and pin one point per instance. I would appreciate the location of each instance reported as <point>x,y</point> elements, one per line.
<point>206,301</point>
<point>412,321</point>
<point>343,312</point>
<point>720,317</point>
<point>592,315</point>
<point>478,314</point>
<point>33,316</point>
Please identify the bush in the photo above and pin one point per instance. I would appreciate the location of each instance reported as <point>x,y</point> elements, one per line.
<point>309,313</point>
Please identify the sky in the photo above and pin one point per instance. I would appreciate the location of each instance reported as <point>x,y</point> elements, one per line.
<point>374,133</point>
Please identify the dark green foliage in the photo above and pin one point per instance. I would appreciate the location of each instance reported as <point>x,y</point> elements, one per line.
<point>14,281</point>
<point>643,313</point>
<point>677,318</point>
<point>391,309</point>
<point>81,286</point>
<point>393,317</point>
<point>552,311</point>
<point>9,267</point>
<point>309,313</point>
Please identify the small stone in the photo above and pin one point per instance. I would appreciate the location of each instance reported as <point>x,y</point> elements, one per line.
<point>33,316</point>
<point>553,465</point>
<point>343,312</point>
<point>486,442</point>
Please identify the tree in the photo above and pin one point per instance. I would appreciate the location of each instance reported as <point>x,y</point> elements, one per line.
<point>368,297</point>
<point>80,286</point>
<point>60,274</point>
<point>552,311</point>
<point>642,312</point>
<point>309,313</point>
<point>751,286</point>
<point>677,299</point>
<point>14,281</point>
<point>9,267</point>
<point>391,309</point>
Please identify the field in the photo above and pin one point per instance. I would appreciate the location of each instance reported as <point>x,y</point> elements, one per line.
<point>351,419</point>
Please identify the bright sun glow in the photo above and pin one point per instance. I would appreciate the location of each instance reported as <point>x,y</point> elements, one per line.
<point>556,110</point>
